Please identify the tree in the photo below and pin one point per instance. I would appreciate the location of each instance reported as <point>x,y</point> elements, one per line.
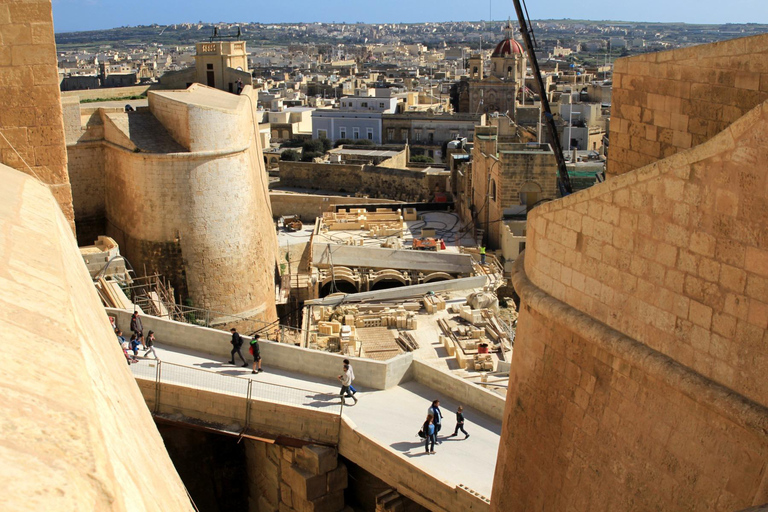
<point>316,145</point>
<point>290,155</point>
<point>422,159</point>
<point>353,142</point>
<point>308,156</point>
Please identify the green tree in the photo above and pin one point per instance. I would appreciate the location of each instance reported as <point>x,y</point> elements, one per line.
<point>422,159</point>
<point>290,155</point>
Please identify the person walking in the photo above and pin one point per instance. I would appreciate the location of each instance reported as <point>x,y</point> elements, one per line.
<point>430,433</point>
<point>149,343</point>
<point>346,381</point>
<point>459,423</point>
<point>437,416</point>
<point>237,342</point>
<point>136,326</point>
<point>256,353</point>
<point>351,376</point>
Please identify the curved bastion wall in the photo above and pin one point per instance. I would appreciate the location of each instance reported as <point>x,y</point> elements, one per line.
<point>638,380</point>
<point>199,215</point>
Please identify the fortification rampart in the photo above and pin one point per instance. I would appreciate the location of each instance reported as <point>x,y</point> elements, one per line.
<point>30,110</point>
<point>637,381</point>
<point>671,101</point>
<point>69,430</point>
<point>181,187</point>
<point>375,181</point>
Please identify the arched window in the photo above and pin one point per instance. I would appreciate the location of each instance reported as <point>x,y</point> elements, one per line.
<point>509,71</point>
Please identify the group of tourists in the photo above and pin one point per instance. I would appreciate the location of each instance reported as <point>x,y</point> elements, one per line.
<point>431,427</point>
<point>137,342</point>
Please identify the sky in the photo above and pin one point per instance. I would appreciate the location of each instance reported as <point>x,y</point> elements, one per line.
<point>77,15</point>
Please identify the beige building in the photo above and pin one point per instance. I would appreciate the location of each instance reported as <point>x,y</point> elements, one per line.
<point>638,380</point>
<point>503,177</point>
<point>181,187</point>
<point>218,64</point>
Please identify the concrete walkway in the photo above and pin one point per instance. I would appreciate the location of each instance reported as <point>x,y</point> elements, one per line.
<point>392,417</point>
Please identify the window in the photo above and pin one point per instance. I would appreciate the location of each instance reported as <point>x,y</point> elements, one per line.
<point>322,134</point>
<point>342,133</point>
<point>390,134</point>
<point>431,137</point>
<point>403,133</point>
<point>369,133</point>
<point>417,135</point>
<point>382,105</point>
<point>493,190</point>
<point>364,104</point>
<point>209,66</point>
<point>355,133</point>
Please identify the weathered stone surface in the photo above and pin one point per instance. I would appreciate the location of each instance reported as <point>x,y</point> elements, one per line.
<point>303,483</point>
<point>337,479</point>
<point>80,444</point>
<point>316,459</point>
<point>681,98</point>
<point>637,381</point>
<point>29,80</point>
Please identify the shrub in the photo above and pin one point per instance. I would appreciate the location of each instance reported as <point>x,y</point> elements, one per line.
<point>290,155</point>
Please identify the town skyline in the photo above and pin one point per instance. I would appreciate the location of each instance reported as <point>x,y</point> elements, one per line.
<point>68,13</point>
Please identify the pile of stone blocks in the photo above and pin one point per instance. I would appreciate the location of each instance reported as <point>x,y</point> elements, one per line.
<point>483,362</point>
<point>306,479</point>
<point>433,303</point>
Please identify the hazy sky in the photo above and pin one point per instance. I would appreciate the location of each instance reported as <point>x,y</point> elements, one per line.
<point>73,15</point>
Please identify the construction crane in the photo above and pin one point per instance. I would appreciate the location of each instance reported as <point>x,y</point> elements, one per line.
<point>564,182</point>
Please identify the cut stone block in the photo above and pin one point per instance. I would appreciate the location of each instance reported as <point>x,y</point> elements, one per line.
<point>337,479</point>
<point>303,484</point>
<point>317,459</point>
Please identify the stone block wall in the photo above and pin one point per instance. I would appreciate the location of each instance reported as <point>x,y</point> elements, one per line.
<point>638,377</point>
<point>375,181</point>
<point>670,101</point>
<point>30,111</point>
<point>596,423</point>
<point>674,255</point>
<point>286,479</point>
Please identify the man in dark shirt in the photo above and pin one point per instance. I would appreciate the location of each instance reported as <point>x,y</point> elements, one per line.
<point>236,342</point>
<point>459,423</point>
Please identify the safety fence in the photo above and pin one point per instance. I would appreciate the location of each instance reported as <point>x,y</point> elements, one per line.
<point>161,372</point>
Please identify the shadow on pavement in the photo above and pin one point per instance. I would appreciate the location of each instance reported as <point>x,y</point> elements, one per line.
<point>404,446</point>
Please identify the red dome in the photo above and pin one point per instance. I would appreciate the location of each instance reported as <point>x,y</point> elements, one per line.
<point>507,47</point>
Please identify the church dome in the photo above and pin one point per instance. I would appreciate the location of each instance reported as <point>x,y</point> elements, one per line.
<point>508,47</point>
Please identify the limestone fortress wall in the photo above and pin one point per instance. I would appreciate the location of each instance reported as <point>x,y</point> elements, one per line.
<point>638,380</point>
<point>32,138</point>
<point>183,190</point>
<point>77,434</point>
<point>671,101</point>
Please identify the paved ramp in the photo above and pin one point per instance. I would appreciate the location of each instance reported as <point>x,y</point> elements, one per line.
<point>387,420</point>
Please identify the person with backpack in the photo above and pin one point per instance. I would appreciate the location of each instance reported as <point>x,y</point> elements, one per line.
<point>434,411</point>
<point>254,350</point>
<point>237,343</point>
<point>430,433</point>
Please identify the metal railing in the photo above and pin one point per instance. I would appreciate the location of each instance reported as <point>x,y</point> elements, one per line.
<point>161,372</point>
